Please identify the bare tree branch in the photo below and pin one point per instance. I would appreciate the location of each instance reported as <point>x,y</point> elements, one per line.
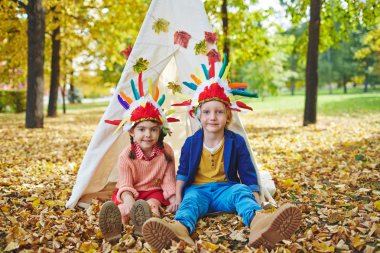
<point>22,5</point>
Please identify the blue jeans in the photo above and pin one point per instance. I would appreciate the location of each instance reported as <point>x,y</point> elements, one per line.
<point>216,197</point>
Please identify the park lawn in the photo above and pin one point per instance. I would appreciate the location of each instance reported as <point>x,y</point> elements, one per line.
<point>329,170</point>
<point>335,104</point>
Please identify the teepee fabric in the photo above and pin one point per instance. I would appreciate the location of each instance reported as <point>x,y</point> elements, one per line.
<point>165,44</point>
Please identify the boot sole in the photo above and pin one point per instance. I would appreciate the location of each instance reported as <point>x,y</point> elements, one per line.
<point>110,221</point>
<point>282,227</point>
<point>158,235</point>
<point>139,214</point>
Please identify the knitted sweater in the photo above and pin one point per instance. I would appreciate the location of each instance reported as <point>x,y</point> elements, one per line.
<point>140,175</point>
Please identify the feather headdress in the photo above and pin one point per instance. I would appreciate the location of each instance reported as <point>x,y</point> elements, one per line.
<point>216,87</point>
<point>145,106</point>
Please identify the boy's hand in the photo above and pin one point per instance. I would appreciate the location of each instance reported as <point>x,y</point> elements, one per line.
<point>174,203</point>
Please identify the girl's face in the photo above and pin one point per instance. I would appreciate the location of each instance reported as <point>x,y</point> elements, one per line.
<point>146,134</point>
<point>213,116</point>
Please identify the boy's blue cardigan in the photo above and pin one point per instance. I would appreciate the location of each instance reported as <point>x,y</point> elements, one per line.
<point>238,165</point>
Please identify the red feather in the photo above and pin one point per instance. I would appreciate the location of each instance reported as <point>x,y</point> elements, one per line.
<point>243,105</point>
<point>211,72</point>
<point>187,102</point>
<point>172,120</point>
<point>141,88</point>
<point>113,122</point>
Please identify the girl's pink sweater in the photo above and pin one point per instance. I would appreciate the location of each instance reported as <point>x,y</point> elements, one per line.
<point>139,175</point>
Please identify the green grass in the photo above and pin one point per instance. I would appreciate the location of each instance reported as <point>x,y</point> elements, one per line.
<point>335,104</point>
<point>76,107</point>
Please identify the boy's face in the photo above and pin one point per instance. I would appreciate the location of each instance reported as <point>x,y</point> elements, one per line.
<point>213,116</point>
<point>146,134</point>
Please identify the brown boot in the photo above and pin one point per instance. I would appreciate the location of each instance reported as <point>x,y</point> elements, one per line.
<point>267,229</point>
<point>110,221</point>
<point>159,233</point>
<point>139,213</point>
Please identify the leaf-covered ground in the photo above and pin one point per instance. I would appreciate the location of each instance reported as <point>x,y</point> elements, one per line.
<point>331,171</point>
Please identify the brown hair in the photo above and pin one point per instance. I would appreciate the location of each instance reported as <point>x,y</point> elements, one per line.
<point>160,143</point>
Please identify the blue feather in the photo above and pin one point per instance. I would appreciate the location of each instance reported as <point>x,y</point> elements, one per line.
<point>192,86</point>
<point>205,71</point>
<point>135,92</point>
<point>221,72</point>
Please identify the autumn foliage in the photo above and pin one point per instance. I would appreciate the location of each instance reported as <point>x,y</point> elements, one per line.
<point>330,171</point>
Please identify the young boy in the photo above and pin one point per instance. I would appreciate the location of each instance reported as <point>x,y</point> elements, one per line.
<point>216,173</point>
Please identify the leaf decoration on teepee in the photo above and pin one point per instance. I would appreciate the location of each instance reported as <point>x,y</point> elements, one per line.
<point>201,47</point>
<point>176,88</point>
<point>127,52</point>
<point>141,65</point>
<point>182,38</point>
<point>211,37</point>
<point>213,56</point>
<point>161,25</point>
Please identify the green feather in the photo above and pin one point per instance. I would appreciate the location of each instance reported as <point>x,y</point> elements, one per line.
<point>161,101</point>
<point>244,93</point>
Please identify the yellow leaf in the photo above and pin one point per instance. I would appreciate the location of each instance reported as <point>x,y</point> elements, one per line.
<point>357,242</point>
<point>377,205</point>
<point>210,246</point>
<point>36,203</point>
<point>89,247</point>
<point>322,248</point>
<point>11,246</point>
<point>50,203</point>
<point>288,183</point>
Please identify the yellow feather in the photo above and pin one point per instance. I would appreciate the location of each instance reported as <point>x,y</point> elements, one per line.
<point>167,113</point>
<point>201,75</point>
<point>121,124</point>
<point>226,71</point>
<point>150,86</point>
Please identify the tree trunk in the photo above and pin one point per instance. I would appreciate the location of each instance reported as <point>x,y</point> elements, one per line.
<point>345,87</point>
<point>226,42</point>
<point>63,93</point>
<point>54,80</point>
<point>293,86</point>
<point>366,78</point>
<point>310,113</point>
<point>330,88</point>
<point>35,92</point>
<point>365,85</point>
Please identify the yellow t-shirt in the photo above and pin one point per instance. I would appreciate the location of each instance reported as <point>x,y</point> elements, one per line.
<point>211,167</point>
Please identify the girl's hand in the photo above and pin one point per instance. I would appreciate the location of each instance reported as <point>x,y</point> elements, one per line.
<point>174,204</point>
<point>125,208</point>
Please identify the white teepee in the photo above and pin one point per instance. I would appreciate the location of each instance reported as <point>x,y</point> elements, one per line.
<point>168,62</point>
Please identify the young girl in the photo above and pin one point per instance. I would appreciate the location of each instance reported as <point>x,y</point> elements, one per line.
<point>146,179</point>
<point>216,173</point>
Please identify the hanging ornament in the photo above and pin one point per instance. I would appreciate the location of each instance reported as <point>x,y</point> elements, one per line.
<point>211,37</point>
<point>213,56</point>
<point>200,48</point>
<point>176,88</point>
<point>141,65</point>
<point>161,25</point>
<point>127,52</point>
<point>182,38</point>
